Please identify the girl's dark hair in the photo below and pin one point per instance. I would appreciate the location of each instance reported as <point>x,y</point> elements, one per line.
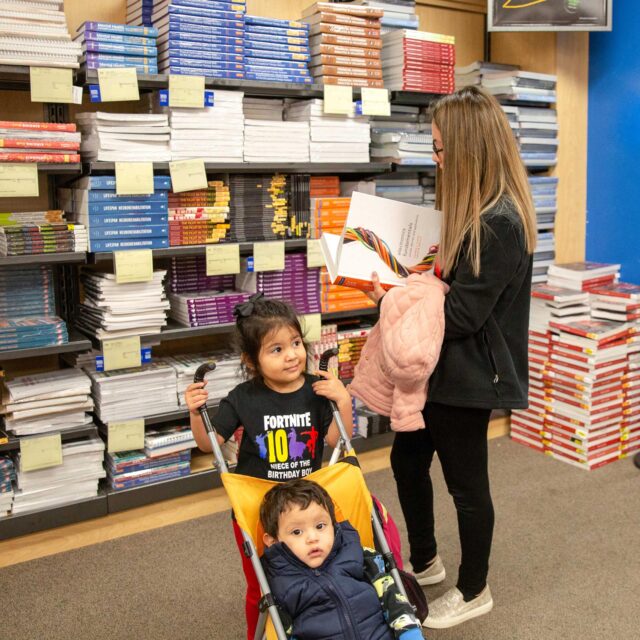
<point>284,495</point>
<point>255,320</point>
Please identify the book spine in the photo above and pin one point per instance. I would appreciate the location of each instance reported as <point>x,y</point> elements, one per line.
<point>107,27</point>
<point>273,22</point>
<point>189,49</point>
<point>37,126</point>
<point>111,196</point>
<point>26,143</point>
<point>220,61</point>
<point>133,219</point>
<point>274,31</point>
<point>117,245</point>
<point>354,82</point>
<point>343,18</point>
<point>349,9</point>
<point>189,28</point>
<point>262,64</point>
<point>133,207</point>
<point>346,61</point>
<point>346,30</point>
<point>108,183</point>
<point>98,36</point>
<point>208,70</point>
<point>128,231</point>
<point>211,4</point>
<point>359,72</point>
<point>267,37</point>
<point>123,49</point>
<point>232,17</point>
<point>277,77</point>
<point>340,50</point>
<point>273,46</point>
<point>53,158</point>
<point>275,55</point>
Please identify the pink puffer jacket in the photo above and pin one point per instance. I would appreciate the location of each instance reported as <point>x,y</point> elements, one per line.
<point>401,352</point>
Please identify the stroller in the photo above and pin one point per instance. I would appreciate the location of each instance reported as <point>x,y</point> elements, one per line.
<point>342,479</point>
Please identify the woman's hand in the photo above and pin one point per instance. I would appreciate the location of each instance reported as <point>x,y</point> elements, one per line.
<point>331,388</point>
<point>378,291</point>
<point>196,395</point>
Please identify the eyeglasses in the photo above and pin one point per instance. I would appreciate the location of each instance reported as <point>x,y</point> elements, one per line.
<point>435,148</point>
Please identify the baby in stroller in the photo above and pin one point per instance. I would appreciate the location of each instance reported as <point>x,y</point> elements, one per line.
<point>325,584</point>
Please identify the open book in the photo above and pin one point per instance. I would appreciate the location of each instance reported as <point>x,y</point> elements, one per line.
<point>395,239</point>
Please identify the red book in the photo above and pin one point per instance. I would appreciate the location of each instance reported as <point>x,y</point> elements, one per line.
<point>40,126</point>
<point>619,290</point>
<point>557,294</point>
<point>26,143</point>
<point>52,158</point>
<point>599,330</point>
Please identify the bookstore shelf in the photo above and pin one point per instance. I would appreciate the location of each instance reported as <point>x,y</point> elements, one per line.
<point>76,343</point>
<point>44,258</point>
<point>60,168</point>
<point>32,521</point>
<point>70,434</point>
<point>14,77</point>
<point>345,315</point>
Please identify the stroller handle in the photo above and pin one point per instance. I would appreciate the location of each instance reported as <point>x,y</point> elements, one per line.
<point>202,371</point>
<point>325,357</point>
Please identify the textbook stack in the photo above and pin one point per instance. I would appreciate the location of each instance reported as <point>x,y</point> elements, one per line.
<point>332,138</point>
<point>276,50</point>
<point>43,402</point>
<point>200,216</point>
<point>75,479</point>
<point>515,84</point>
<point>345,44</point>
<point>189,273</point>
<point>36,34</point>
<point>472,74</point>
<point>418,61</point>
<point>350,345</point>
<point>398,14</point>
<point>113,310</point>
<point>200,37</point>
<point>324,186</point>
<point>214,134</point>
<point>114,222</point>
<point>537,135</point>
<point>105,44</point>
<point>583,276</point>
<point>125,394</point>
<point>139,12</point>
<point>46,142</point>
<point>27,309</point>
<point>7,478</point>
<point>37,232</point>
<point>544,193</point>
<point>404,187</point>
<point>298,284</point>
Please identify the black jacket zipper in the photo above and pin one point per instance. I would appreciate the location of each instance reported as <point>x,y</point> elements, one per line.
<point>492,361</point>
<point>342,605</point>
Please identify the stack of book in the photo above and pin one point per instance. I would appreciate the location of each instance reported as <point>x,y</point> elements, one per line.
<point>298,284</point>
<point>345,44</point>
<point>544,193</point>
<point>189,273</point>
<point>197,37</point>
<point>75,479</point>
<point>583,276</point>
<point>418,61</point>
<point>200,216</point>
<point>43,402</point>
<point>113,310</point>
<point>398,14</point>
<point>27,309</point>
<point>428,182</point>
<point>7,478</point>
<point>560,303</point>
<point>36,232</point>
<point>139,12</point>
<point>327,186</point>
<point>130,137</point>
<point>36,34</point>
<point>515,84</point>
<point>619,302</point>
<point>116,222</point>
<point>46,142</point>
<point>350,345</point>
<point>214,134</point>
<point>537,135</point>
<point>332,138</point>
<point>105,44</point>
<point>335,298</point>
<point>404,187</point>
<point>276,50</point>
<point>472,74</point>
<point>126,394</point>
<point>203,308</point>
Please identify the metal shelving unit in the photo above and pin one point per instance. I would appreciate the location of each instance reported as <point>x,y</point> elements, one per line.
<point>76,343</point>
<point>44,258</point>
<point>69,434</point>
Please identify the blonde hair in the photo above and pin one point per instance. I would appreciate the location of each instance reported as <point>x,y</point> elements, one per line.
<point>482,164</point>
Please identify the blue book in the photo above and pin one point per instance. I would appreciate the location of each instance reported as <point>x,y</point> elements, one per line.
<point>121,207</point>
<point>266,77</point>
<point>275,55</point>
<point>401,23</point>
<point>108,183</point>
<point>273,22</point>
<point>128,232</point>
<point>190,12</point>
<point>264,64</point>
<point>252,68</point>
<point>237,6</point>
<point>299,42</point>
<point>191,49</point>
<point>122,60</point>
<point>181,470</point>
<point>120,245</point>
<point>123,29</point>
<point>209,71</point>
<point>127,461</point>
<point>273,46</point>
<point>294,33</point>
<point>106,220</point>
<point>104,196</point>
<point>186,30</point>
<point>232,62</point>
<point>97,63</point>
<point>99,36</point>
<point>122,49</point>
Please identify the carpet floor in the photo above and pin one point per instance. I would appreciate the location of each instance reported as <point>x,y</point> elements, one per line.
<point>565,566</point>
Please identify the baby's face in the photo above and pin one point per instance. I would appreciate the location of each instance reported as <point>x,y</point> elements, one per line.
<point>308,533</point>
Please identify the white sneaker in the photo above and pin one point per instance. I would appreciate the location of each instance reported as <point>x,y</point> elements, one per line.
<point>433,574</point>
<point>450,609</point>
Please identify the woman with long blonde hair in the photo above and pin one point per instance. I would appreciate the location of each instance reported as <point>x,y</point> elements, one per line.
<point>488,238</point>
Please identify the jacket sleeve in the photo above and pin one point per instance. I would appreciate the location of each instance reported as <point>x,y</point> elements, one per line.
<point>471,300</point>
<point>397,609</point>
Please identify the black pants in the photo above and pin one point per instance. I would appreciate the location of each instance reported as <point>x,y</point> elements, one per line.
<point>459,435</point>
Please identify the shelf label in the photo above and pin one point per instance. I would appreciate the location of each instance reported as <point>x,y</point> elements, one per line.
<point>40,452</point>
<point>188,175</point>
<point>375,102</point>
<point>268,256</point>
<point>118,84</point>
<point>223,259</point>
<point>125,436</point>
<point>51,85</point>
<point>186,91</point>
<point>338,100</point>
<point>121,353</point>
<point>135,265</point>
<point>315,258</point>
<point>134,178</point>
<point>19,180</point>
<point>312,326</point>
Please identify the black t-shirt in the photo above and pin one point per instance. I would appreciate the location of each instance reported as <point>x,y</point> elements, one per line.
<point>283,432</point>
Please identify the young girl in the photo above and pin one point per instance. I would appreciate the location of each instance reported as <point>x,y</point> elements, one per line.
<point>285,412</point>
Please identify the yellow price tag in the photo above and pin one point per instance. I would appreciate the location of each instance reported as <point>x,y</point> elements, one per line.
<point>51,85</point>
<point>118,84</point>
<point>121,353</point>
<point>135,265</point>
<point>375,102</point>
<point>313,327</point>
<point>188,175</point>
<point>268,256</point>
<point>338,100</point>
<point>223,259</point>
<point>40,452</point>
<point>186,91</point>
<point>134,178</point>
<point>19,180</point>
<point>315,258</point>
<point>125,436</point>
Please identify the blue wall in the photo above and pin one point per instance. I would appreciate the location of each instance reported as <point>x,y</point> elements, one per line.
<point>613,163</point>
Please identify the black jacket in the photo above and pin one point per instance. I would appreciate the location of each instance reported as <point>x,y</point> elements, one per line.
<point>483,362</point>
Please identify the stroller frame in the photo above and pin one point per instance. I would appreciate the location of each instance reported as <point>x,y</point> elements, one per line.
<point>267,603</point>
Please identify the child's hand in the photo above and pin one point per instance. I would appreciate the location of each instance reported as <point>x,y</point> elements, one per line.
<point>331,388</point>
<point>196,395</point>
